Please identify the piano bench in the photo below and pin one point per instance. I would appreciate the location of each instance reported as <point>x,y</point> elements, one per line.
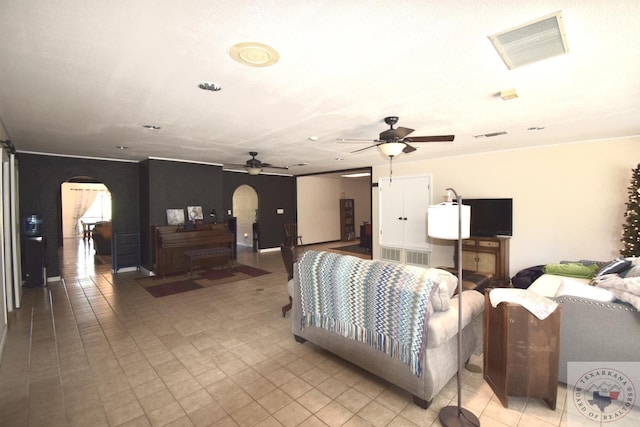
<point>208,254</point>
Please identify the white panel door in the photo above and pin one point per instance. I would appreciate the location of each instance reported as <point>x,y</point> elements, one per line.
<point>403,211</point>
<point>390,199</point>
<point>416,202</point>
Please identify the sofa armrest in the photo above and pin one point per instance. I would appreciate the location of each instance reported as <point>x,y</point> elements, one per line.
<point>597,331</point>
<point>443,325</point>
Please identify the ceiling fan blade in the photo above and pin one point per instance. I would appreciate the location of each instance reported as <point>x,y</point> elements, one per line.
<point>398,133</point>
<point>365,148</point>
<point>269,165</point>
<point>433,138</point>
<point>356,140</point>
<point>408,148</point>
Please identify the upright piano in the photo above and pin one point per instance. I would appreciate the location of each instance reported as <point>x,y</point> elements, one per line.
<point>172,241</point>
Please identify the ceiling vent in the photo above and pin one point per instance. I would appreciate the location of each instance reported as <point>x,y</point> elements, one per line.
<point>532,42</point>
<point>490,135</point>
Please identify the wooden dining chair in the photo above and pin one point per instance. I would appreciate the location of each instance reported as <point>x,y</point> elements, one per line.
<point>291,235</point>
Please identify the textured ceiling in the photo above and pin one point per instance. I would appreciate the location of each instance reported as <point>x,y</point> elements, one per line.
<point>82,77</point>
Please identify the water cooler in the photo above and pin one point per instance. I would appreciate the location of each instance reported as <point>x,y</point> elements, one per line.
<point>34,248</point>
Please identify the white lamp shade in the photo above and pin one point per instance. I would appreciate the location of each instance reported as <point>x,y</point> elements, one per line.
<point>442,221</point>
<point>254,171</point>
<point>391,148</point>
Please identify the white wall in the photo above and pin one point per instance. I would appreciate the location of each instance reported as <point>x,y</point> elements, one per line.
<point>318,207</point>
<point>568,200</point>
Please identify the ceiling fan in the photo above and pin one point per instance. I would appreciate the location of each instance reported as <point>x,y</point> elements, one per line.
<point>255,166</point>
<point>395,141</point>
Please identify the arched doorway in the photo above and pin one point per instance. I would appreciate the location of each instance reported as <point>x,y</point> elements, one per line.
<point>245,209</point>
<point>84,203</point>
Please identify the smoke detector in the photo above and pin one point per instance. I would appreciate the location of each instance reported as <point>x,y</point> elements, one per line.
<point>531,42</point>
<point>508,94</point>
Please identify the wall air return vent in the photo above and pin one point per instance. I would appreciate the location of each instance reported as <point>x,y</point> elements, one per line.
<point>390,254</point>
<point>420,258</point>
<point>532,42</point>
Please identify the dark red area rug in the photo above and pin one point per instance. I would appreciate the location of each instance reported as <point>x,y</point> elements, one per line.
<point>159,286</point>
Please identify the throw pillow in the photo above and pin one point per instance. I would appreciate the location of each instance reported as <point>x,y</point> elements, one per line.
<point>617,266</point>
<point>440,296</point>
<point>446,285</point>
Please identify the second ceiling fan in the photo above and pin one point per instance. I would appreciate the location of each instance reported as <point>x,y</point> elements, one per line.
<point>394,141</point>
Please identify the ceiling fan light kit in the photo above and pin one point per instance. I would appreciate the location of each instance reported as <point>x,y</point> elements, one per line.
<point>394,141</point>
<point>391,149</point>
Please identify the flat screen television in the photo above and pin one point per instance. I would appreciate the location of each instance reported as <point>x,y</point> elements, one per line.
<point>491,217</point>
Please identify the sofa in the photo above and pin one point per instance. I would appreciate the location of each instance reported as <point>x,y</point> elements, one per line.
<point>596,325</point>
<point>101,236</point>
<point>346,281</point>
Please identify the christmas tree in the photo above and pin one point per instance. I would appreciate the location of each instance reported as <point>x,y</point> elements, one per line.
<point>630,230</point>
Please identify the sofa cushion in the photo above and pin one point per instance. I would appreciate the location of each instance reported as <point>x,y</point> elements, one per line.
<point>548,284</point>
<point>444,325</point>
<point>632,272</point>
<point>617,266</point>
<point>580,289</point>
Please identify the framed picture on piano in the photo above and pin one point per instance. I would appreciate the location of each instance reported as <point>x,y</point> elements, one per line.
<point>175,216</point>
<point>195,213</point>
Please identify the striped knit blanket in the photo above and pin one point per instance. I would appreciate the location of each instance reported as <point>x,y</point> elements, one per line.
<point>384,305</point>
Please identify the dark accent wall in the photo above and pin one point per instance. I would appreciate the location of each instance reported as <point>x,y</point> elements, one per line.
<point>274,192</point>
<point>40,178</point>
<point>142,192</point>
<point>176,185</point>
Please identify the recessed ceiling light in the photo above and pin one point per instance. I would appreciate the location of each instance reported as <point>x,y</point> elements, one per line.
<point>339,158</point>
<point>213,87</point>
<point>313,138</point>
<point>254,54</point>
<point>152,127</point>
<point>121,147</point>
<point>535,128</point>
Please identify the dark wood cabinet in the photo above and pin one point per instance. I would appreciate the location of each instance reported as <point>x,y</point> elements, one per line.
<point>521,352</point>
<point>489,255</point>
<point>347,220</point>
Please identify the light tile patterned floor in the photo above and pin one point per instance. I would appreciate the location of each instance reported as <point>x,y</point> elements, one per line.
<point>95,349</point>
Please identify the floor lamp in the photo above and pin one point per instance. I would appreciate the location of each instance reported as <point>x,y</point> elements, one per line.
<point>451,221</point>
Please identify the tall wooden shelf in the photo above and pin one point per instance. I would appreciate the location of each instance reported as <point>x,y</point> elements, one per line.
<point>347,220</point>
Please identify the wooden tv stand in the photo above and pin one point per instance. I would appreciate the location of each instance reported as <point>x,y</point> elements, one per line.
<point>487,255</point>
